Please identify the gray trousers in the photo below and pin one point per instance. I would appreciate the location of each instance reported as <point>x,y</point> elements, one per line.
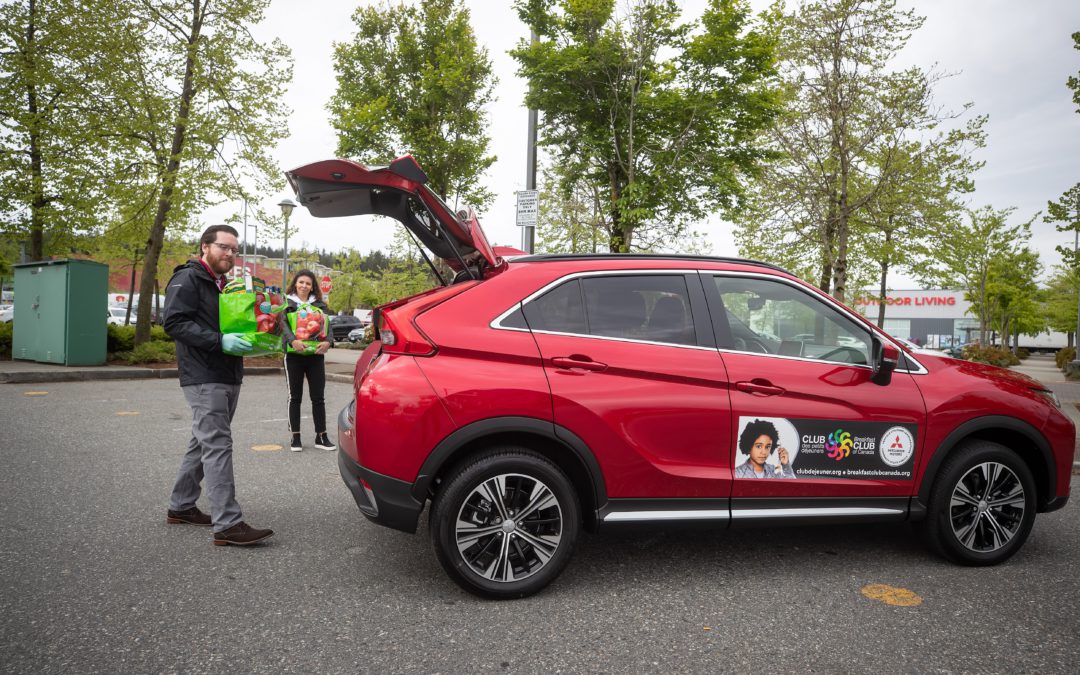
<point>209,454</point>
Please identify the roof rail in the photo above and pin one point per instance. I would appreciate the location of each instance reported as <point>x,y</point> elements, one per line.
<point>549,257</point>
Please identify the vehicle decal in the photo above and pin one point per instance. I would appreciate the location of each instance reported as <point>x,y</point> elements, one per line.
<point>782,448</point>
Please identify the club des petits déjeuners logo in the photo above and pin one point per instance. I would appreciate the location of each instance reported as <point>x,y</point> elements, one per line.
<point>839,445</point>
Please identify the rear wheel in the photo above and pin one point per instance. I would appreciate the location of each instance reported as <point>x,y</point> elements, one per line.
<point>982,505</point>
<point>505,525</point>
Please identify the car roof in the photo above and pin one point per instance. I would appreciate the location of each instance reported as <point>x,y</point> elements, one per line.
<point>563,257</point>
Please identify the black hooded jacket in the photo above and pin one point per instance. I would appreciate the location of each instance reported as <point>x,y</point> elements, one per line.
<point>191,318</point>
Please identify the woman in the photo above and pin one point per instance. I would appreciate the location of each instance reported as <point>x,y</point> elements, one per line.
<point>300,364</point>
<point>757,442</point>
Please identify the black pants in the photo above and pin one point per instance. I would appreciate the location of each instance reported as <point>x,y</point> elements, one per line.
<point>298,367</point>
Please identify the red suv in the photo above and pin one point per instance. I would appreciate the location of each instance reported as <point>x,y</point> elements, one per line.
<point>533,396</point>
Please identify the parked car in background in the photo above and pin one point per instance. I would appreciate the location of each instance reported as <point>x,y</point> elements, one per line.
<point>531,398</point>
<point>7,312</point>
<point>117,315</point>
<point>340,326</point>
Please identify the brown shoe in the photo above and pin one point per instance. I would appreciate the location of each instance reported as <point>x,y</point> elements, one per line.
<point>241,534</point>
<point>192,516</point>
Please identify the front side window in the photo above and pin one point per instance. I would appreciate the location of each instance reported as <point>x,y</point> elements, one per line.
<point>651,308</point>
<point>771,317</point>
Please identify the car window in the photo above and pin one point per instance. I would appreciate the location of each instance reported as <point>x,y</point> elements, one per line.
<point>655,308</point>
<point>559,310</point>
<point>771,317</point>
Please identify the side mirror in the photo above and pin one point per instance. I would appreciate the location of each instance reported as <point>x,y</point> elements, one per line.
<point>886,357</point>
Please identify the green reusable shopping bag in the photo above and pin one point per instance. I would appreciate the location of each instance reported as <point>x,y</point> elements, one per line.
<point>246,308</point>
<point>308,323</point>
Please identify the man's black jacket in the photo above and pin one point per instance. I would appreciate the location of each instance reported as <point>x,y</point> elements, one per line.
<point>191,318</point>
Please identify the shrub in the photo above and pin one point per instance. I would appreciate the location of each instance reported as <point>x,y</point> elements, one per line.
<point>152,352</point>
<point>5,339</point>
<point>1063,356</point>
<point>995,356</point>
<point>120,338</point>
<point>1022,353</point>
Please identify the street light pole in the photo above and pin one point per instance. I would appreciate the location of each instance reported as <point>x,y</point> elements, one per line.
<point>528,233</point>
<point>287,205</point>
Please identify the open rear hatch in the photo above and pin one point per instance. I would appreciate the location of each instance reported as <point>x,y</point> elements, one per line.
<point>341,187</point>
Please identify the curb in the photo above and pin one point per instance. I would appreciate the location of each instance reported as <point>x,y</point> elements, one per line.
<point>32,376</point>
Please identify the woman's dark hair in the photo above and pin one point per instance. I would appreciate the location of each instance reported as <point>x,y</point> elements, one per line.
<point>315,290</point>
<point>753,431</point>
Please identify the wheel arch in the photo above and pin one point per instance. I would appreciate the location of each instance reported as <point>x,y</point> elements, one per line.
<point>561,446</point>
<point>1016,434</point>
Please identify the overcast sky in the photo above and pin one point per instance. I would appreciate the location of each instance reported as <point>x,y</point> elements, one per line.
<point>1011,60</point>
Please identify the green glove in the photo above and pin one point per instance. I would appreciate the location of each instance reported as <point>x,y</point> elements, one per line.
<point>234,343</point>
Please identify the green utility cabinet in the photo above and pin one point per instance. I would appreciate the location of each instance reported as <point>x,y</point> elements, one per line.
<point>61,311</point>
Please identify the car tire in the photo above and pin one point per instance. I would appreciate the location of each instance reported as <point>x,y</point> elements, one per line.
<point>473,539</point>
<point>982,505</point>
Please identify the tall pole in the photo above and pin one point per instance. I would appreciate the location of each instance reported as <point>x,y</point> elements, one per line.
<point>1076,246</point>
<point>528,233</point>
<point>287,205</point>
<point>245,257</point>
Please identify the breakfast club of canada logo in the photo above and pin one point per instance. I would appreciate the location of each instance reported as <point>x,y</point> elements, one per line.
<point>839,445</point>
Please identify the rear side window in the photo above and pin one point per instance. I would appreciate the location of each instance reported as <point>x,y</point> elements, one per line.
<point>559,310</point>
<point>655,308</point>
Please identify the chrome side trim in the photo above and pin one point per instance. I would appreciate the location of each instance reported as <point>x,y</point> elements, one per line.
<point>746,514</point>
<point>642,516</point>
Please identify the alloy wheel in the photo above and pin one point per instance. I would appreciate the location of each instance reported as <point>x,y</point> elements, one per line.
<point>509,527</point>
<point>987,506</point>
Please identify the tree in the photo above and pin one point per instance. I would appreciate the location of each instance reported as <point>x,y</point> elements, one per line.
<point>414,80</point>
<point>966,257</point>
<point>54,164</point>
<point>660,118</point>
<point>1011,294</point>
<point>1059,300</point>
<point>1066,211</point>
<point>918,200</point>
<point>1074,81</point>
<point>850,131</point>
<point>223,113</point>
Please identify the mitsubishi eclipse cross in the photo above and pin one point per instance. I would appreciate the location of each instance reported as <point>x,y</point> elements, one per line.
<point>529,397</point>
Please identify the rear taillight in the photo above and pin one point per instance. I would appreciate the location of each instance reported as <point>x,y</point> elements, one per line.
<point>397,327</point>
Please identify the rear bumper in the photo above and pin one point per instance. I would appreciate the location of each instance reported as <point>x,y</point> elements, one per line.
<point>383,500</point>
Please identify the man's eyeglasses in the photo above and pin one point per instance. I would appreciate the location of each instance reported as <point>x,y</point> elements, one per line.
<point>226,249</point>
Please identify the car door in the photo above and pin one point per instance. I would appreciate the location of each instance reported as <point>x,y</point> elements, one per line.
<point>802,385</point>
<point>634,372</point>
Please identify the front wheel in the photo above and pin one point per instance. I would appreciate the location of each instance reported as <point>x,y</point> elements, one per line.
<point>505,525</point>
<point>982,505</point>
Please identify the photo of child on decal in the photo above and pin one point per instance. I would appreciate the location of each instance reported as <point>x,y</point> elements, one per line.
<point>759,441</point>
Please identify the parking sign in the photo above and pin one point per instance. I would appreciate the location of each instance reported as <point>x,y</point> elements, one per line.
<point>528,207</point>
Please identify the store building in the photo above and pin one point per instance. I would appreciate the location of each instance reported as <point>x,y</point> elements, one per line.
<point>938,319</point>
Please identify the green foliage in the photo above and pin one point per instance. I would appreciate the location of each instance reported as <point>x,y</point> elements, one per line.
<point>5,339</point>
<point>863,163</point>
<point>1064,356</point>
<point>413,79</point>
<point>1066,211</point>
<point>119,338</point>
<point>370,284</point>
<point>122,338</point>
<point>1074,81</point>
<point>995,356</point>
<point>1022,353</point>
<point>657,120</point>
<point>152,352</point>
<point>1059,299</point>
<point>975,254</point>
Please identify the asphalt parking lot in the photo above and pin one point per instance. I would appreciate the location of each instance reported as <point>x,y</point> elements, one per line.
<point>95,581</point>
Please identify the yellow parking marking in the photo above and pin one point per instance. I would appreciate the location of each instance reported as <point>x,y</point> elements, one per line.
<point>891,595</point>
<point>35,393</point>
<point>266,447</point>
<point>127,413</point>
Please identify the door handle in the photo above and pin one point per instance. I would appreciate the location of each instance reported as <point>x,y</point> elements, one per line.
<point>578,361</point>
<point>759,386</point>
